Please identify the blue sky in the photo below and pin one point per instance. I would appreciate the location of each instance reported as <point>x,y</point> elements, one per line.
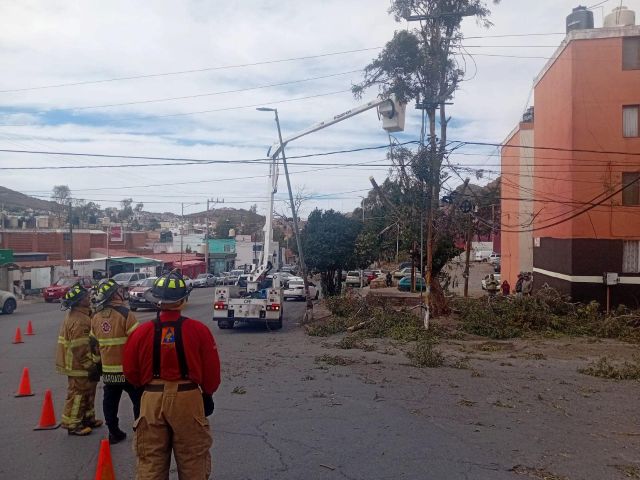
<point>49,42</point>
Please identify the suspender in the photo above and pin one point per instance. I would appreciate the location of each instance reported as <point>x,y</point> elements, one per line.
<point>124,311</point>
<point>157,345</point>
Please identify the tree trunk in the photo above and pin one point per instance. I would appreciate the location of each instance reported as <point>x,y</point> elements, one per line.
<point>437,301</point>
<point>339,281</point>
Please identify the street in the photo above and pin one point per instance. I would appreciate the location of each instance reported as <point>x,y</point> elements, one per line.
<point>283,414</point>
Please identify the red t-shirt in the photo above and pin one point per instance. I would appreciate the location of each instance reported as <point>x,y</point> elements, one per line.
<point>200,352</point>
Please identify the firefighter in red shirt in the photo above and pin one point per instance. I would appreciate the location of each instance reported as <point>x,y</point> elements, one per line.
<point>176,360</point>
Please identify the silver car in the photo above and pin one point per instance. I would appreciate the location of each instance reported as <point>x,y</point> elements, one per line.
<point>7,302</point>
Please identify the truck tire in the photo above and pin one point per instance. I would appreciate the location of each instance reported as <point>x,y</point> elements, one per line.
<point>225,324</point>
<point>133,309</point>
<point>277,325</point>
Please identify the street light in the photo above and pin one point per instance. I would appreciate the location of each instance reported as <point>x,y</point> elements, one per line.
<point>296,230</point>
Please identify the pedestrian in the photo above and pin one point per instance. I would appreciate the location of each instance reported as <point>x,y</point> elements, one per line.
<point>519,283</point>
<point>527,285</point>
<point>175,359</point>
<point>74,359</point>
<point>111,325</point>
<point>506,288</point>
<point>492,285</point>
<point>389,279</point>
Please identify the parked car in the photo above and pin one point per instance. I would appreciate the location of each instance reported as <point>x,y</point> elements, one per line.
<point>295,289</point>
<point>129,279</point>
<point>486,278</point>
<point>404,285</point>
<point>7,302</point>
<point>496,266</point>
<point>494,258</point>
<point>188,281</point>
<point>62,286</point>
<point>482,255</point>
<point>404,272</point>
<point>204,280</point>
<point>136,294</point>
<point>353,278</point>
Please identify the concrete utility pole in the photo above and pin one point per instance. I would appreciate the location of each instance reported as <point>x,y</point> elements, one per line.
<point>207,233</point>
<point>71,235</point>
<point>468,256</point>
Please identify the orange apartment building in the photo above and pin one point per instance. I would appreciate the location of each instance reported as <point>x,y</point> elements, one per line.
<point>570,211</point>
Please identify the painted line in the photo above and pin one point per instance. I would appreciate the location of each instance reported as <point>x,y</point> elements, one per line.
<point>585,278</point>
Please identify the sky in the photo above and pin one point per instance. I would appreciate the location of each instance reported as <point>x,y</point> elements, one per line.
<point>84,46</point>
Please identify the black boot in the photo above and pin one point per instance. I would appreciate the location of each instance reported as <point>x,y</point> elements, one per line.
<point>116,435</point>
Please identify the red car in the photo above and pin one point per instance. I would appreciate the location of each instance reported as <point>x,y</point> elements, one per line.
<point>62,286</point>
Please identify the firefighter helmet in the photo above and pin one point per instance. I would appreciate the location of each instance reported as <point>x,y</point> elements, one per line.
<point>106,289</point>
<point>76,293</point>
<point>168,289</point>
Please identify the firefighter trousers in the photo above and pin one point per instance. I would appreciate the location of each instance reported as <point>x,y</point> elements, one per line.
<point>111,402</point>
<point>79,406</point>
<point>172,420</point>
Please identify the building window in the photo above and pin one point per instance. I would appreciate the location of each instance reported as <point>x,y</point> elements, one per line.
<point>631,193</point>
<point>631,257</point>
<point>228,248</point>
<point>631,53</point>
<point>630,120</point>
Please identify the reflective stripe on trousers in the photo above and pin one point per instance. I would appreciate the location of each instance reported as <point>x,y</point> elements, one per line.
<point>172,421</point>
<point>79,406</point>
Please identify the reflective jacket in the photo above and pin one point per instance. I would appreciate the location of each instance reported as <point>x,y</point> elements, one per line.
<point>111,328</point>
<point>73,354</point>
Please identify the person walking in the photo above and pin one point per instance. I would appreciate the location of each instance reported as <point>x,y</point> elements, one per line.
<point>75,360</point>
<point>111,325</point>
<point>492,285</point>
<point>175,359</point>
<point>506,288</point>
<point>519,283</point>
<point>527,285</point>
<point>389,279</point>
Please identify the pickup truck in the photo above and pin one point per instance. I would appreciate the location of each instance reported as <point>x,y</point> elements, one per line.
<point>353,279</point>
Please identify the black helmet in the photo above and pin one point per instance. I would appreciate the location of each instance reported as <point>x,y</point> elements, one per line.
<point>106,289</point>
<point>76,293</point>
<point>169,288</point>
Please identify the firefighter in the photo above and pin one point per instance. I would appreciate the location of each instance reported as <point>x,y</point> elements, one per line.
<point>75,360</point>
<point>176,360</point>
<point>111,325</point>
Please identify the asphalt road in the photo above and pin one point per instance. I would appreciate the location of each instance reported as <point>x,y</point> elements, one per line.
<point>297,418</point>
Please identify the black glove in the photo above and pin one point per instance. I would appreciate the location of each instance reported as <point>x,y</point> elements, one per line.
<point>94,372</point>
<point>208,404</point>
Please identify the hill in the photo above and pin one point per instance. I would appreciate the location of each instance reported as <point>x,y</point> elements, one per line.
<point>12,200</point>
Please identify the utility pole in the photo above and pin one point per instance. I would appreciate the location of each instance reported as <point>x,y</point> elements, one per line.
<point>181,234</point>
<point>468,256</point>
<point>71,235</point>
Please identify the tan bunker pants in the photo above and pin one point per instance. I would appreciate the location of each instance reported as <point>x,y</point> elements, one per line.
<point>172,420</point>
<point>79,406</point>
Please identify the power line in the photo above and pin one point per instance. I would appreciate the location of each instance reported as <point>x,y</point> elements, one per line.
<point>243,65</point>
<point>176,160</point>
<point>555,149</point>
<point>211,94</point>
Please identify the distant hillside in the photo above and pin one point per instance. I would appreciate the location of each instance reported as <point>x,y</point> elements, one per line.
<point>244,221</point>
<point>12,200</point>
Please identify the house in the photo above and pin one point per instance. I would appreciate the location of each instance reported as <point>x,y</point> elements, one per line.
<point>570,208</point>
<point>222,254</point>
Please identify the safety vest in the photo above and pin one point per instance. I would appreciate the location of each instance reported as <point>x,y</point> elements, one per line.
<point>73,353</point>
<point>111,327</point>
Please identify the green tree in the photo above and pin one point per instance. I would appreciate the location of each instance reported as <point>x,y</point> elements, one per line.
<point>328,241</point>
<point>154,224</point>
<point>419,64</point>
<point>61,194</point>
<point>223,227</point>
<point>126,211</point>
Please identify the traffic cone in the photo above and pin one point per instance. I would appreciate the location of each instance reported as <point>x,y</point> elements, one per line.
<point>104,470</point>
<point>24,390</point>
<point>29,329</point>
<point>47,417</point>
<point>18,337</point>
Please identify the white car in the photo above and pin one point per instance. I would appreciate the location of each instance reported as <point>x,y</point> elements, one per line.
<point>129,279</point>
<point>204,280</point>
<point>353,278</point>
<point>295,289</point>
<point>7,302</point>
<point>400,274</point>
<point>494,258</point>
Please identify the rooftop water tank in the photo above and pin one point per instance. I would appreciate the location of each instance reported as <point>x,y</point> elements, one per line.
<point>620,17</point>
<point>580,19</point>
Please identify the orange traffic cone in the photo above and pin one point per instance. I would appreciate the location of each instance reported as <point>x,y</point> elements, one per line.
<point>29,329</point>
<point>24,390</point>
<point>104,470</point>
<point>18,337</point>
<point>47,417</point>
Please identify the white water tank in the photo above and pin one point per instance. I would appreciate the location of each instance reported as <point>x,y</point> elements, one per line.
<point>620,17</point>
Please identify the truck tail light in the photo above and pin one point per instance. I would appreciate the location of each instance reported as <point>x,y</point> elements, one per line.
<point>274,307</point>
<point>219,306</point>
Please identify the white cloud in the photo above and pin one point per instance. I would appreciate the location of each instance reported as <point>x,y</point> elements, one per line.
<point>45,42</point>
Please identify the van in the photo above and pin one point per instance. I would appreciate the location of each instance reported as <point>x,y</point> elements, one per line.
<point>482,255</point>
